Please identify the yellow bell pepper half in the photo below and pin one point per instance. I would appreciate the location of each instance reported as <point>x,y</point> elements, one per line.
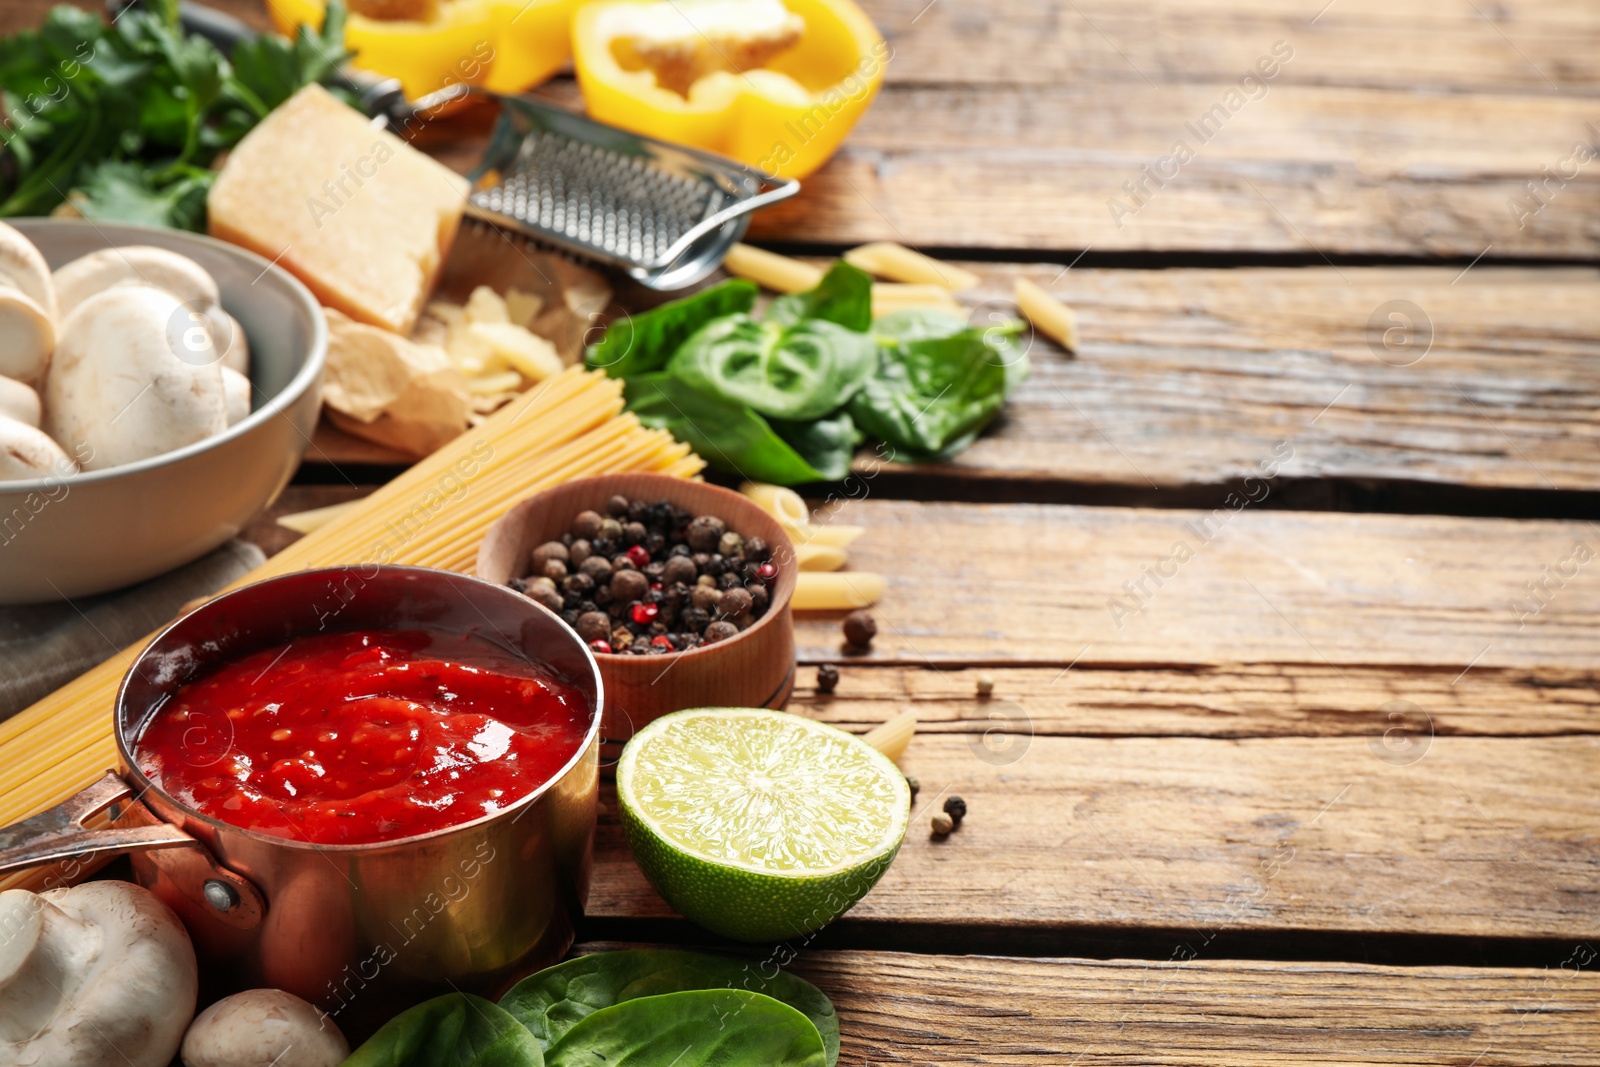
<point>503,45</point>
<point>787,118</point>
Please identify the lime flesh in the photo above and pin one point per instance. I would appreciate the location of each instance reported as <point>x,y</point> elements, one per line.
<point>759,825</point>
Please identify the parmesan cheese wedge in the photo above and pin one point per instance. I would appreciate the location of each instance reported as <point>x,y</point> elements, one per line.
<point>358,215</point>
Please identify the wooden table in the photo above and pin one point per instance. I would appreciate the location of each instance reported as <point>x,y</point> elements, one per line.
<point>1322,784</point>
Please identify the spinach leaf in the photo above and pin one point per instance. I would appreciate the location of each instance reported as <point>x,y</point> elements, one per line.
<point>930,393</point>
<point>844,296</point>
<point>725,433</point>
<point>918,324</point>
<point>558,998</point>
<point>802,371</point>
<point>456,1030</point>
<point>643,343</point>
<point>696,1028</point>
<point>827,444</point>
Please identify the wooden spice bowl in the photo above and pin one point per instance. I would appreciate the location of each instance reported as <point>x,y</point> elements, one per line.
<point>752,669</point>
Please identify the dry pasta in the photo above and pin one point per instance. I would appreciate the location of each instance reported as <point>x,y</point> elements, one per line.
<point>432,515</point>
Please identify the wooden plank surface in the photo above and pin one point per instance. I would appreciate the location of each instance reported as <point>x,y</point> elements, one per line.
<point>1079,837</point>
<point>896,1008</point>
<point>1305,171</point>
<point>1196,377</point>
<point>1035,584</point>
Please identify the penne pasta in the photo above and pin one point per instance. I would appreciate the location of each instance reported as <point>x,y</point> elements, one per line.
<point>771,270</point>
<point>781,503</point>
<point>814,557</point>
<point>837,590</point>
<point>892,737</point>
<point>901,264</point>
<point>1047,314</point>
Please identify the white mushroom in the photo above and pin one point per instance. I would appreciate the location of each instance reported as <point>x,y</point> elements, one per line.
<point>98,974</point>
<point>236,391</point>
<point>27,335</point>
<point>228,336</point>
<point>263,1028</point>
<point>27,452</point>
<point>133,377</point>
<point>134,265</point>
<point>19,401</point>
<point>23,268</point>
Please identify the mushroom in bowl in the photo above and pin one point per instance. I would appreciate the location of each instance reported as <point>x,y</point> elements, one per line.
<point>176,389</point>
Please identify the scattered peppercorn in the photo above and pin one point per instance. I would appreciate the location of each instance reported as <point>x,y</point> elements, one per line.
<point>942,824</point>
<point>859,629</point>
<point>956,808</point>
<point>827,678</point>
<point>916,786</point>
<point>985,685</point>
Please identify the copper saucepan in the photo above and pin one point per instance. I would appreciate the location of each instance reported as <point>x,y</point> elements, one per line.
<point>469,907</point>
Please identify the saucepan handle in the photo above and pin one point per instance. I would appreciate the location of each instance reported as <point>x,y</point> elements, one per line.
<point>60,834</point>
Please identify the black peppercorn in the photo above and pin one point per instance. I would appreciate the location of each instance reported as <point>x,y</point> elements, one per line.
<point>602,547</point>
<point>655,570</point>
<point>679,569</point>
<point>956,808</point>
<point>627,585</point>
<point>859,629</point>
<point>587,524</point>
<point>735,602</point>
<point>720,631</point>
<point>705,533</point>
<point>714,565</point>
<point>729,581</point>
<point>759,597</point>
<point>757,549</point>
<point>588,606</point>
<point>570,617</point>
<point>566,539</point>
<point>602,595</point>
<point>579,551</point>
<point>637,510</point>
<point>915,784</point>
<point>827,678</point>
<point>655,542</point>
<point>639,648</point>
<point>597,568</point>
<point>633,533</point>
<point>594,626</point>
<point>617,506</point>
<point>694,619</point>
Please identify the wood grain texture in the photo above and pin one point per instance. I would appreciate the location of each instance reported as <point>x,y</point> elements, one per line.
<point>1223,701</point>
<point>1194,377</point>
<point>1532,46</point>
<point>896,1008</point>
<point>1214,838</point>
<point>1302,170</point>
<point>1043,585</point>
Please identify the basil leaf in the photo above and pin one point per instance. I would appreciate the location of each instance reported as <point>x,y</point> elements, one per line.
<point>930,393</point>
<point>844,296</point>
<point>697,1028</point>
<point>725,433</point>
<point>801,371</point>
<point>918,324</point>
<point>828,444</point>
<point>558,998</point>
<point>456,1030</point>
<point>643,343</point>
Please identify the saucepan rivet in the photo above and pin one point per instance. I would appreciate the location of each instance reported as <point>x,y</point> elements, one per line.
<point>221,895</point>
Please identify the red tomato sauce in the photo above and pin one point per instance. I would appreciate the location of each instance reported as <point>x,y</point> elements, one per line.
<point>371,735</point>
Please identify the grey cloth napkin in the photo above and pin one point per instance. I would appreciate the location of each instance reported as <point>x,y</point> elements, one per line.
<point>44,646</point>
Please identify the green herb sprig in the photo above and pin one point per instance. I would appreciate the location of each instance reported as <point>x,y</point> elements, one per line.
<point>126,118</point>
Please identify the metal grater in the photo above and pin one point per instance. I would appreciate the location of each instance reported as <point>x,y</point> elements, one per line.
<point>663,214</point>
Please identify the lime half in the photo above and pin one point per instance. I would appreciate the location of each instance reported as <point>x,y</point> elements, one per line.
<point>759,825</point>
